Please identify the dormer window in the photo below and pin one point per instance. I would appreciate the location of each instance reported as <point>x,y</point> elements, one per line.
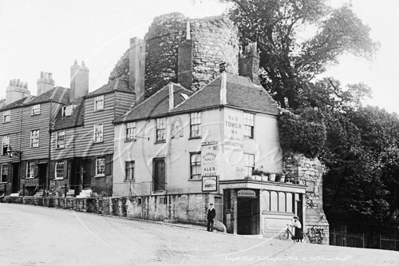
<point>99,103</point>
<point>6,116</point>
<point>67,110</point>
<point>36,109</point>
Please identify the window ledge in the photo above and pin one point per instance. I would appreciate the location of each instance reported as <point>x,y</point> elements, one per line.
<point>101,175</point>
<point>160,141</point>
<point>34,114</point>
<point>129,181</point>
<point>130,140</point>
<point>59,178</point>
<point>194,180</point>
<point>199,137</point>
<point>60,148</point>
<point>7,122</point>
<point>98,142</point>
<point>100,110</point>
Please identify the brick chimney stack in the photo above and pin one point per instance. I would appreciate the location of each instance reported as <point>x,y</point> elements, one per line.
<point>223,83</point>
<point>16,91</point>
<point>137,67</point>
<point>79,81</point>
<point>249,63</point>
<point>185,60</point>
<point>44,83</point>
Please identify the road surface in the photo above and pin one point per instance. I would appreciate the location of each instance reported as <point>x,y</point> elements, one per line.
<point>33,236</point>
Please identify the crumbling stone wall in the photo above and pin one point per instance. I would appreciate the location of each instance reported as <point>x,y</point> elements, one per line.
<point>309,172</point>
<point>187,208</point>
<point>121,69</point>
<point>214,40</point>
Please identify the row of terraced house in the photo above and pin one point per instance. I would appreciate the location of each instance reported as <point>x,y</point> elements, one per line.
<point>118,141</point>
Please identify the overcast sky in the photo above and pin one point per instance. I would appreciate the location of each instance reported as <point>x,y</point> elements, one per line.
<point>47,35</point>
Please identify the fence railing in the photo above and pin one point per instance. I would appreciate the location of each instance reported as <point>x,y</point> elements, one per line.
<point>361,241</point>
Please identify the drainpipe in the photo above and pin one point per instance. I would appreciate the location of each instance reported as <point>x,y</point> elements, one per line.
<point>49,151</point>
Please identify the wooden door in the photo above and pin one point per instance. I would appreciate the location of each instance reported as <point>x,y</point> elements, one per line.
<point>159,177</point>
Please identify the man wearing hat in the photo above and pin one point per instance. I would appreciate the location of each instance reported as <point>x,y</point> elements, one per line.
<point>298,235</point>
<point>211,217</point>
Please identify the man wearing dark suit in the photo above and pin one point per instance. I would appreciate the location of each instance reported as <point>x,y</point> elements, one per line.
<point>211,217</point>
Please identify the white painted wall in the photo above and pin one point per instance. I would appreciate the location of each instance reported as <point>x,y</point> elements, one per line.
<point>176,151</point>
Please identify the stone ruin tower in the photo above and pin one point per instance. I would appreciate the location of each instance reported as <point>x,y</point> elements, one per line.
<point>183,50</point>
<point>177,45</point>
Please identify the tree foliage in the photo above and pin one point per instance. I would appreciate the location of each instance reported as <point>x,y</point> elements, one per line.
<point>359,145</point>
<point>289,61</point>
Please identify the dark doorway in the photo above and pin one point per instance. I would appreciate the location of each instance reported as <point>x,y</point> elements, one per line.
<point>248,216</point>
<point>15,178</point>
<point>219,208</point>
<point>42,173</point>
<point>159,174</point>
<point>86,169</point>
<point>74,168</point>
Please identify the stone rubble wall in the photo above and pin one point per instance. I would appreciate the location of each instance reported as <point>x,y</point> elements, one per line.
<point>186,208</point>
<point>309,172</point>
<point>215,40</point>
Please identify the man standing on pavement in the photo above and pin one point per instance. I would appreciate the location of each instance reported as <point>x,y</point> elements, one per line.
<point>211,217</point>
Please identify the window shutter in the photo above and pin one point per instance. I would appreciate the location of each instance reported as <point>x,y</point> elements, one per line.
<point>93,167</point>
<point>69,166</point>
<point>23,169</point>
<point>9,172</point>
<point>65,174</point>
<point>36,173</point>
<point>108,165</point>
<point>52,172</point>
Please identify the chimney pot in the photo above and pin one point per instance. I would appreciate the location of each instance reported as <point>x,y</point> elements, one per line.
<point>79,81</point>
<point>188,33</point>
<point>222,67</point>
<point>171,97</point>
<point>223,89</point>
<point>137,67</point>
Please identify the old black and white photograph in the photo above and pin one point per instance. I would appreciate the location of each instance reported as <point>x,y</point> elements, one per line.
<point>199,132</point>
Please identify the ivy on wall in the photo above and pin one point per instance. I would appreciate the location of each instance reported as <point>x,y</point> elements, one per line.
<point>304,133</point>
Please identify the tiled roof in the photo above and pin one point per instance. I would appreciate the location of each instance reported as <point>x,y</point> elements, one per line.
<point>156,105</point>
<point>57,94</point>
<point>241,93</point>
<point>13,104</point>
<point>115,85</point>
<point>75,119</point>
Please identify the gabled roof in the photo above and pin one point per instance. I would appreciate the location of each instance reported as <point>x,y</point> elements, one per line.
<point>115,85</point>
<point>15,104</point>
<point>57,94</point>
<point>156,105</point>
<point>75,119</point>
<point>241,93</point>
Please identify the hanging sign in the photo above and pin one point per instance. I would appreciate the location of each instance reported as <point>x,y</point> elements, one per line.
<point>209,183</point>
